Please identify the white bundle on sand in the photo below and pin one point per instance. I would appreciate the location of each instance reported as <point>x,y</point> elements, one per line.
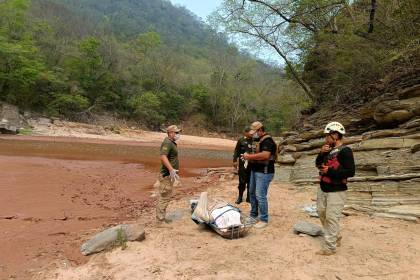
<point>226,216</point>
<point>201,210</point>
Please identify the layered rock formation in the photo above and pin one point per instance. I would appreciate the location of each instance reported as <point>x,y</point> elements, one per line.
<point>385,137</point>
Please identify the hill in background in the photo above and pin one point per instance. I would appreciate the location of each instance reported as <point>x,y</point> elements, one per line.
<point>144,61</point>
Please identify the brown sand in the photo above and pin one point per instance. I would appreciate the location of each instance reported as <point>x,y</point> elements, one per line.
<point>373,248</point>
<point>54,192</point>
<point>53,199</point>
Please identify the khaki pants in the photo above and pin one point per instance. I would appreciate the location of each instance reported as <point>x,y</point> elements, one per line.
<point>165,193</point>
<point>329,207</point>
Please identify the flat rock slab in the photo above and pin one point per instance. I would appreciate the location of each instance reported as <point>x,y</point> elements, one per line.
<point>396,216</point>
<point>387,143</point>
<point>307,228</point>
<point>109,237</point>
<point>286,159</point>
<point>409,210</point>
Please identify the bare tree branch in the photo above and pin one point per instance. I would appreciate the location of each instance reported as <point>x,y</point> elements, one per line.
<point>284,17</point>
<point>295,74</point>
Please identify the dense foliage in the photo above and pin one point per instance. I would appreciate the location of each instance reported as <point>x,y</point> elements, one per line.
<point>333,49</point>
<point>141,60</point>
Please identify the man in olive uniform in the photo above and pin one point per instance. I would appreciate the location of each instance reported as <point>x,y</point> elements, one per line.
<point>244,145</point>
<point>168,177</point>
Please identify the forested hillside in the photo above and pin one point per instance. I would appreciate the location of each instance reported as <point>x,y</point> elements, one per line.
<point>144,61</point>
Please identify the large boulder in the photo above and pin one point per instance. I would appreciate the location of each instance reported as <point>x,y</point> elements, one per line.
<point>307,228</point>
<point>10,119</point>
<point>396,111</point>
<point>110,237</point>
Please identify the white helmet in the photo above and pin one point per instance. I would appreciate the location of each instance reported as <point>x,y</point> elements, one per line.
<point>334,126</point>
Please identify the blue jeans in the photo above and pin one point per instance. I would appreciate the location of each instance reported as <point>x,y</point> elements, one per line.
<point>258,189</point>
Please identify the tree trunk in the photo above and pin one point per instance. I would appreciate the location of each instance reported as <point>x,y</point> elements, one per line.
<point>295,75</point>
<point>372,16</point>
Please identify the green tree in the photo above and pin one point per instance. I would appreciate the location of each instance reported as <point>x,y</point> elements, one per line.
<point>147,42</point>
<point>146,109</point>
<point>92,72</point>
<point>20,64</point>
<point>68,105</point>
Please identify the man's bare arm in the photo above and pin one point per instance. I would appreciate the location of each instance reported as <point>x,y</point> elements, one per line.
<point>165,161</point>
<point>264,155</point>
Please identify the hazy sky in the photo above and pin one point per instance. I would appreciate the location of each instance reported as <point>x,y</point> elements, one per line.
<point>202,8</point>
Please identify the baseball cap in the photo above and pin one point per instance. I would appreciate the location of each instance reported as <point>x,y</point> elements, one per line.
<point>173,128</point>
<point>255,126</point>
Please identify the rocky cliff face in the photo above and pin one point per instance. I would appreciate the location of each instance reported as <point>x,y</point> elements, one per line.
<point>384,134</point>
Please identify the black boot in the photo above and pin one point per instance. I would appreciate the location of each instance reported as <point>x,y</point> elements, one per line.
<point>247,195</point>
<point>239,199</point>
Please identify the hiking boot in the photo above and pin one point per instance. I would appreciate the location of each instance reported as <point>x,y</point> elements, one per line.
<point>250,220</point>
<point>325,252</point>
<point>339,241</point>
<point>261,224</point>
<point>239,200</point>
<point>167,221</point>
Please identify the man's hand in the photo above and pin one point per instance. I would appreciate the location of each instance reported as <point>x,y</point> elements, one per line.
<point>245,156</point>
<point>325,148</point>
<point>323,169</point>
<point>174,175</point>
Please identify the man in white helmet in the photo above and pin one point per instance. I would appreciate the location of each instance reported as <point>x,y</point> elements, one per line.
<point>335,163</point>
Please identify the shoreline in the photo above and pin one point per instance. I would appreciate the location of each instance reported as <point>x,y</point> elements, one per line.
<point>61,130</point>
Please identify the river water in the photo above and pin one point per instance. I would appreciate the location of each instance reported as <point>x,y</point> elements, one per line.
<point>130,152</point>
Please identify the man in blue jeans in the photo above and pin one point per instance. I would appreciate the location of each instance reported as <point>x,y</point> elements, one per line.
<point>262,172</point>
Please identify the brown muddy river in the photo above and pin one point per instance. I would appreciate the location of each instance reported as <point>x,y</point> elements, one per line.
<point>147,154</point>
<point>56,192</point>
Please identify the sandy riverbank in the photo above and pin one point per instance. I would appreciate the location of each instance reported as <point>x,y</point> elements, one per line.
<point>373,248</point>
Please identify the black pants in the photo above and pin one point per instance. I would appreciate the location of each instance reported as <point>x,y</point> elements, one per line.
<point>244,176</point>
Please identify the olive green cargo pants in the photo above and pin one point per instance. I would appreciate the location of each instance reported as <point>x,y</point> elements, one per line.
<point>329,207</point>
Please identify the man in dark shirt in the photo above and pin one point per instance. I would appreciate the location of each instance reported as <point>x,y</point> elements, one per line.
<point>168,177</point>
<point>335,163</point>
<point>262,172</point>
<point>243,146</point>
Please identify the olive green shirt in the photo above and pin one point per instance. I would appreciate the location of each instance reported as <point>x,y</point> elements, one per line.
<point>169,149</point>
